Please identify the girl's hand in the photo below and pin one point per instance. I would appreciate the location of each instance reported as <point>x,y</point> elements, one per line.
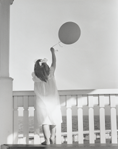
<point>52,49</point>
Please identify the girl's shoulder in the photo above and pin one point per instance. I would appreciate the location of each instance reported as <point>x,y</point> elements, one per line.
<point>35,78</point>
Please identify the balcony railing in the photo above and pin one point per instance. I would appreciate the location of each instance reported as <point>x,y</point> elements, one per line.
<point>24,108</point>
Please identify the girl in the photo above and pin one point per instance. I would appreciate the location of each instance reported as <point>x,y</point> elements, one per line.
<point>48,112</point>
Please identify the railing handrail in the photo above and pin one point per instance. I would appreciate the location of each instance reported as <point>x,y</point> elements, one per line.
<point>72,92</point>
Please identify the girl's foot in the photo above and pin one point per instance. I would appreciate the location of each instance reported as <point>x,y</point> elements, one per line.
<point>52,140</point>
<point>45,143</point>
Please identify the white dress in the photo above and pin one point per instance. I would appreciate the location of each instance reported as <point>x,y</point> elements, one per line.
<point>48,109</point>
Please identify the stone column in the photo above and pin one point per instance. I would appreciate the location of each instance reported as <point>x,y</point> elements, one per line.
<point>6,103</point>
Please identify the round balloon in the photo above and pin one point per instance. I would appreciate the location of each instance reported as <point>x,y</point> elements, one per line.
<point>69,33</point>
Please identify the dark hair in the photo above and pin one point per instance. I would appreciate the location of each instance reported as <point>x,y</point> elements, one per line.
<point>41,71</point>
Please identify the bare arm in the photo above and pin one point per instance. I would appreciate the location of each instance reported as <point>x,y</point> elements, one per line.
<point>53,58</point>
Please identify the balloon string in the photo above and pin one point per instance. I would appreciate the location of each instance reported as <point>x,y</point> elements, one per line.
<point>60,44</point>
<point>56,44</point>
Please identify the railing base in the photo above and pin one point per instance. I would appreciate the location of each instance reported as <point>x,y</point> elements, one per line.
<point>62,146</point>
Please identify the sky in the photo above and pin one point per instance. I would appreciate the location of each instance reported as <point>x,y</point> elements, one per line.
<point>89,63</point>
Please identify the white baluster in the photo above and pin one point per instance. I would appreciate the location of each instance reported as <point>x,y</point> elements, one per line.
<point>15,141</point>
<point>91,102</point>
<point>102,103</point>
<point>113,119</point>
<point>58,134</point>
<point>80,126</point>
<point>81,101</point>
<point>37,138</point>
<point>62,139</point>
<point>91,125</point>
<point>69,120</point>
<point>26,120</point>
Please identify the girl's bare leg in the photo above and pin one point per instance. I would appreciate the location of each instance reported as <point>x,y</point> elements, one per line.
<point>53,133</point>
<point>46,132</point>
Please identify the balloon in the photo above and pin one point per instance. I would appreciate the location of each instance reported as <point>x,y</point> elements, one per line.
<point>69,33</point>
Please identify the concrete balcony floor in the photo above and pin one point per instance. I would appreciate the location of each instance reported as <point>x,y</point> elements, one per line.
<point>62,146</point>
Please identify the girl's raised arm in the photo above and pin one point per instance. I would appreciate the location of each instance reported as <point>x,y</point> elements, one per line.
<point>53,58</point>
